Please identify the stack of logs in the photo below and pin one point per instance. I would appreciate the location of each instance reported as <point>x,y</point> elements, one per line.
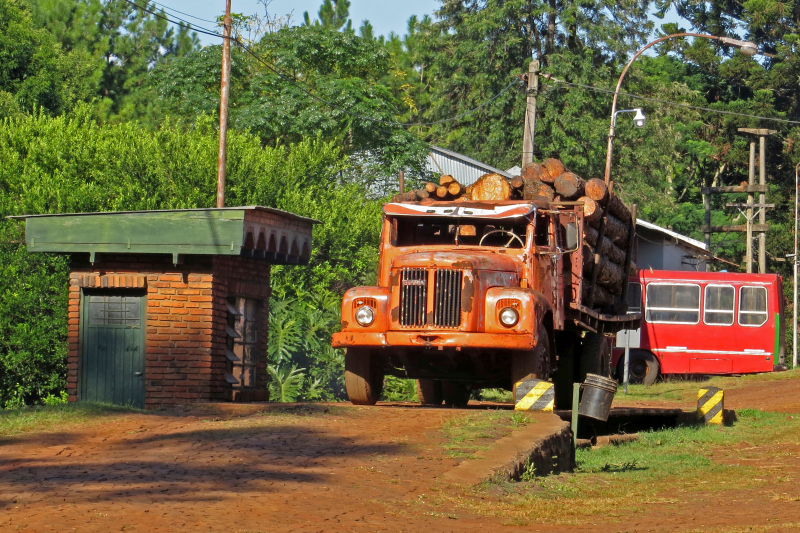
<point>550,181</point>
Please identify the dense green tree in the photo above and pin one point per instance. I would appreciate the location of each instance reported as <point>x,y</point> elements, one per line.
<point>35,72</point>
<point>125,41</point>
<point>333,15</point>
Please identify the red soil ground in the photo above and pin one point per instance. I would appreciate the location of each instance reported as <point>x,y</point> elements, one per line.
<point>333,468</point>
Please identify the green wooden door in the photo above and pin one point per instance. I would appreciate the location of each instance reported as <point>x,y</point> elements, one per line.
<point>112,348</point>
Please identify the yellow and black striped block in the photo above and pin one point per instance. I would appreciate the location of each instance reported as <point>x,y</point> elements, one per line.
<point>534,395</point>
<point>710,405</point>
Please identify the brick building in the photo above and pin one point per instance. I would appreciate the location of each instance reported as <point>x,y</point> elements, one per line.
<point>170,307</point>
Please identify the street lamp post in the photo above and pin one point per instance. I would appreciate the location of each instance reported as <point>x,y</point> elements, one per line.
<point>747,48</point>
<point>794,260</point>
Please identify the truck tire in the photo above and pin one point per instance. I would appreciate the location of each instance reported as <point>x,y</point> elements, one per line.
<point>363,376</point>
<point>595,356</point>
<point>533,364</point>
<point>455,393</point>
<point>643,368</point>
<point>429,392</point>
<point>568,345</point>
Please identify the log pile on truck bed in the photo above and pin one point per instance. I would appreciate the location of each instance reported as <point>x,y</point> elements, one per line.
<point>550,181</point>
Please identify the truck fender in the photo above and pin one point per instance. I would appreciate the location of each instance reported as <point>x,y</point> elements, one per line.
<point>532,306</point>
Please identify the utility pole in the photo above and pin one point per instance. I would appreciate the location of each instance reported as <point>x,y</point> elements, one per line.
<point>761,205</point>
<point>401,178</point>
<point>225,89</point>
<point>530,113</point>
<point>751,180</point>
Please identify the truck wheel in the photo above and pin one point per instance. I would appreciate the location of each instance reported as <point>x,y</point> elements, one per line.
<point>643,368</point>
<point>455,394</point>
<point>595,356</point>
<point>568,346</point>
<point>363,376</point>
<point>532,364</point>
<point>429,392</point>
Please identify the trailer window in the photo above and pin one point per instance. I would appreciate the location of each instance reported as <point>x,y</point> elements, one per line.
<point>718,307</point>
<point>673,303</point>
<point>752,306</point>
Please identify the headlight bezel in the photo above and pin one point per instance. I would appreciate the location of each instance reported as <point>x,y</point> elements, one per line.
<point>367,321</point>
<point>512,312</point>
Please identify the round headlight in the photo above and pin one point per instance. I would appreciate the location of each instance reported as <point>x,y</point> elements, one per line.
<point>365,315</point>
<point>509,317</point>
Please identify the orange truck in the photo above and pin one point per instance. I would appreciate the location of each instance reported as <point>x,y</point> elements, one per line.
<point>476,295</point>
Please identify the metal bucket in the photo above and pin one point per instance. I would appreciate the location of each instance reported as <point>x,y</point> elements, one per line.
<point>598,393</point>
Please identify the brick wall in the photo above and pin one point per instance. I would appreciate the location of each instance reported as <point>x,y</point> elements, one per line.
<point>185,321</point>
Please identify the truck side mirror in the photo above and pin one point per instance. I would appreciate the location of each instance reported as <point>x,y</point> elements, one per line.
<point>572,237</point>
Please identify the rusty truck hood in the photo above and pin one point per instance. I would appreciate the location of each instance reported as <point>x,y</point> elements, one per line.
<point>467,259</point>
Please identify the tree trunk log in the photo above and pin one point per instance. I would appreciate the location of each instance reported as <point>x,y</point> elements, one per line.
<point>532,171</point>
<point>596,190</point>
<point>554,169</point>
<point>609,275</point>
<point>517,182</point>
<point>445,179</point>
<point>492,188</point>
<point>569,185</point>
<point>602,297</point>
<point>536,190</point>
<point>618,209</point>
<point>431,187</point>
<point>591,210</point>
<point>422,194</point>
<point>616,231</point>
<point>441,192</point>
<point>609,249</point>
<point>455,189</point>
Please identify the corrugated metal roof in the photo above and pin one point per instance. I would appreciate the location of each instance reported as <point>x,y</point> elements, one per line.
<point>674,235</point>
<point>464,169</point>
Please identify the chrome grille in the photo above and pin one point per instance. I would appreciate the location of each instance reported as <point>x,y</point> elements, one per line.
<point>413,296</point>
<point>447,298</point>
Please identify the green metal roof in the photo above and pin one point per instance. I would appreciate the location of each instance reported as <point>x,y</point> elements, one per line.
<point>252,231</point>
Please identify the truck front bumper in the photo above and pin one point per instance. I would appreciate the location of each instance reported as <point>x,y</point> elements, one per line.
<point>431,339</point>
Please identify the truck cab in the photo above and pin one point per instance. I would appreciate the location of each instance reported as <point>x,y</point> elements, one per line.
<point>470,295</point>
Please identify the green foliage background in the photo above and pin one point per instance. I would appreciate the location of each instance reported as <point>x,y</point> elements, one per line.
<point>106,106</point>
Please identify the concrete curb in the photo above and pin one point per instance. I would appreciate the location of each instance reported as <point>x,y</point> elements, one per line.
<point>544,445</point>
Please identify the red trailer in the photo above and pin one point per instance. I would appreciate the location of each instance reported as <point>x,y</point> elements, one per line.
<point>702,323</point>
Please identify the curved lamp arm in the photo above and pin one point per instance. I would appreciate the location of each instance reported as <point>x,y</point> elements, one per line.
<point>747,48</point>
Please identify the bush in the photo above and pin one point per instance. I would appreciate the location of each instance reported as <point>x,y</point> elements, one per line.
<point>73,164</point>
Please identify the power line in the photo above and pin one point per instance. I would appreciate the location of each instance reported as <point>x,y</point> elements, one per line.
<point>330,104</point>
<point>668,102</point>
<point>164,6</point>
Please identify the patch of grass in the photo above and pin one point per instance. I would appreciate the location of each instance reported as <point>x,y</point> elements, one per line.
<point>684,390</point>
<point>665,467</point>
<point>493,395</point>
<point>56,417</point>
<point>472,432</point>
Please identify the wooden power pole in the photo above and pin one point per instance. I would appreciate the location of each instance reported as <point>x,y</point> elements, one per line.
<point>761,206</point>
<point>225,88</point>
<point>530,113</point>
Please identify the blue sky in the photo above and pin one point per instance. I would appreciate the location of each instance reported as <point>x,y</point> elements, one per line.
<point>385,16</point>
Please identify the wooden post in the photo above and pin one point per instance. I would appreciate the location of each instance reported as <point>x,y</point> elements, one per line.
<point>707,208</point>
<point>401,177</point>
<point>223,104</point>
<point>530,113</point>
<point>751,180</point>
<point>762,211</point>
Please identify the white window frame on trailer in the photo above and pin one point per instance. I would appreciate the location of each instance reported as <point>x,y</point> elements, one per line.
<point>765,312</point>
<point>705,309</point>
<point>648,308</point>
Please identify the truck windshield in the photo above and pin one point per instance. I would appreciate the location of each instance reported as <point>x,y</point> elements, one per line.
<point>410,231</point>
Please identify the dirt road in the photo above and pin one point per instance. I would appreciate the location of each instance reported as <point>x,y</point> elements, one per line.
<point>309,468</point>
